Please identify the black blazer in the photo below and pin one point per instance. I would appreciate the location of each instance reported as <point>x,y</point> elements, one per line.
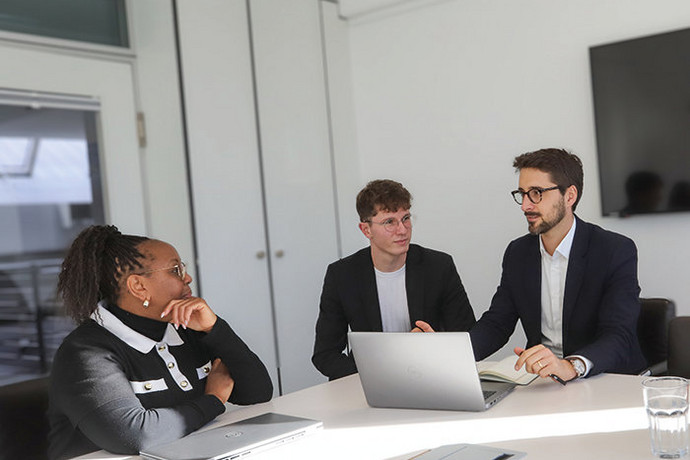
<point>349,298</point>
<point>600,307</point>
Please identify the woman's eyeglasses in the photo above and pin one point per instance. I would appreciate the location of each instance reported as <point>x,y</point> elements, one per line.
<point>180,270</point>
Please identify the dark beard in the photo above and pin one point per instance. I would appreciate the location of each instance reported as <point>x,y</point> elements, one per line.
<point>547,225</point>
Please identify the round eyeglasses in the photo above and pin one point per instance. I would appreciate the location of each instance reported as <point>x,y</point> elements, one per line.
<point>180,270</point>
<point>391,224</point>
<point>534,194</point>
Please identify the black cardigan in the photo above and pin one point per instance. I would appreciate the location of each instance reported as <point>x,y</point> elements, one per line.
<point>114,388</point>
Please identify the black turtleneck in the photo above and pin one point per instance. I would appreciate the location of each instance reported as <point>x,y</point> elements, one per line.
<point>148,327</point>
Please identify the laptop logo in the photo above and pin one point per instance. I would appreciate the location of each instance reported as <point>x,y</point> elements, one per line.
<point>413,372</point>
<point>233,434</point>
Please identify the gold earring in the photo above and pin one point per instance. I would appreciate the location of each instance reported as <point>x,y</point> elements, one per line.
<point>146,303</point>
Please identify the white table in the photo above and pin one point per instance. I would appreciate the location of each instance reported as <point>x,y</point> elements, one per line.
<point>623,445</point>
<point>597,418</point>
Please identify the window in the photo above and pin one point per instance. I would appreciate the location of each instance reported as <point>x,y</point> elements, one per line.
<point>50,189</point>
<point>101,22</point>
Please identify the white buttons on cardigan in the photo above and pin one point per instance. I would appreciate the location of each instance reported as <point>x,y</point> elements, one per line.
<point>164,351</point>
<point>203,371</point>
<point>146,386</point>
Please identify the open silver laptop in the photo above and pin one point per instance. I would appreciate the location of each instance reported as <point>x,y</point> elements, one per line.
<point>422,371</point>
<point>236,439</point>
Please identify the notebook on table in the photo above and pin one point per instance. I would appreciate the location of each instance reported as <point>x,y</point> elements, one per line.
<point>504,371</point>
<point>422,371</point>
<point>235,440</point>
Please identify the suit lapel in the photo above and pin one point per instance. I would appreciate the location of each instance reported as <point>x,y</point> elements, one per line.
<point>575,275</point>
<point>414,284</point>
<point>532,293</point>
<point>368,293</point>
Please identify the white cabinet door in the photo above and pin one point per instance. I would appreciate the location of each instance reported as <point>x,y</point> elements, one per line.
<point>30,68</point>
<point>298,174</point>
<point>261,172</point>
<point>225,170</point>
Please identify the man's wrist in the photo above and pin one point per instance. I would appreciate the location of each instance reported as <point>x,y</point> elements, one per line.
<point>578,365</point>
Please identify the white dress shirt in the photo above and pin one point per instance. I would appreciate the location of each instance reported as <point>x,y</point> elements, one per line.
<point>554,269</point>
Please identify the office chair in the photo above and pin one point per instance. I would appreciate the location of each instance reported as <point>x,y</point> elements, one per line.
<point>23,420</point>
<point>652,332</point>
<point>679,347</point>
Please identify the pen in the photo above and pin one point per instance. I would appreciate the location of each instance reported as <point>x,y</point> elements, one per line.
<point>556,378</point>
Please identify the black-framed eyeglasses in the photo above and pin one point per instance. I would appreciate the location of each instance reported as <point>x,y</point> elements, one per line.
<point>534,194</point>
<point>180,270</point>
<point>392,223</point>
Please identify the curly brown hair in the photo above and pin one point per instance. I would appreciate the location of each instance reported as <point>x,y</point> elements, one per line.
<point>382,195</point>
<point>93,267</point>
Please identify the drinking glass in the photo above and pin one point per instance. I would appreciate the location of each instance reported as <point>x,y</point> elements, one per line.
<point>666,402</point>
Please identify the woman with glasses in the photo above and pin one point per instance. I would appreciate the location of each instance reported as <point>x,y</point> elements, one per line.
<point>148,362</point>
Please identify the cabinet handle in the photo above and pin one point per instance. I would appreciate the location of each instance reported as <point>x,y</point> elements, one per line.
<point>280,253</point>
<point>260,254</point>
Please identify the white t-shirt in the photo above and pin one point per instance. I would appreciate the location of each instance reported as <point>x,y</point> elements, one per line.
<point>395,316</point>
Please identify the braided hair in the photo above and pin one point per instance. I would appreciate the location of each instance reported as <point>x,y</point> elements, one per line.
<point>93,267</point>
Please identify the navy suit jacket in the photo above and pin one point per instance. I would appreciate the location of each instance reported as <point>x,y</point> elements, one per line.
<point>600,307</point>
<point>349,298</point>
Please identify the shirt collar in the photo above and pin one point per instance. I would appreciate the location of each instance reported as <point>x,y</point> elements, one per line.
<point>128,335</point>
<point>565,245</point>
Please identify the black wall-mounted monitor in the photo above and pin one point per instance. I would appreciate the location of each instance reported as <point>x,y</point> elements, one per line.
<point>641,92</point>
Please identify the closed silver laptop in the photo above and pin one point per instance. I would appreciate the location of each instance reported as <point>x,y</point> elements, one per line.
<point>235,440</point>
<point>470,452</point>
<point>422,371</point>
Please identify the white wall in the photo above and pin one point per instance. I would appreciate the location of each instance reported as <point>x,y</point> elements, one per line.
<point>163,158</point>
<point>347,178</point>
<point>446,93</point>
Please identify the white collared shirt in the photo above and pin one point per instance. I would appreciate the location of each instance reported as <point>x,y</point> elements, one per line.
<point>554,269</point>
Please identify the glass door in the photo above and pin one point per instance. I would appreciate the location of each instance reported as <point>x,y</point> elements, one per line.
<point>50,189</point>
<point>69,158</point>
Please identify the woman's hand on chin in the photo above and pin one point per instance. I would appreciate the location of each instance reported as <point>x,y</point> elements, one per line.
<point>190,312</point>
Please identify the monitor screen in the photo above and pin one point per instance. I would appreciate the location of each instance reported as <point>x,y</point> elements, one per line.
<point>641,91</point>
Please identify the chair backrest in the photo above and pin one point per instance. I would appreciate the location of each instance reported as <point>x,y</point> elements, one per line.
<point>23,420</point>
<point>679,347</point>
<point>652,328</point>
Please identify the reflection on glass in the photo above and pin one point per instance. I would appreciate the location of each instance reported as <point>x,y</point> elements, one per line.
<point>640,88</point>
<point>679,199</point>
<point>644,192</point>
<point>50,189</point>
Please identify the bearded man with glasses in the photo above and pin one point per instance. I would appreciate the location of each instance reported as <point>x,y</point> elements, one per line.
<point>572,284</point>
<point>390,286</point>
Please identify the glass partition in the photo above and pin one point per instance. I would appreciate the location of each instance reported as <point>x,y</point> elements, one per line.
<point>50,189</point>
